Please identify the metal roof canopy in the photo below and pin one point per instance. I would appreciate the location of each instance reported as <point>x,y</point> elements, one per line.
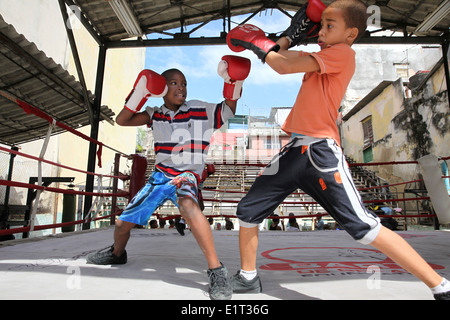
<point>27,74</point>
<point>160,16</point>
<point>142,17</point>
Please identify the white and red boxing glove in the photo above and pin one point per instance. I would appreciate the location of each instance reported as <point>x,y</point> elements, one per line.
<point>234,70</point>
<point>248,36</point>
<point>148,84</point>
<point>305,23</point>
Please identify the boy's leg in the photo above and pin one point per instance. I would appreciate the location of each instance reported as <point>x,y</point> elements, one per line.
<point>115,254</point>
<point>339,197</point>
<point>265,195</point>
<point>186,198</point>
<point>146,201</point>
<point>396,248</point>
<point>138,211</point>
<point>248,245</point>
<point>122,233</point>
<point>200,228</point>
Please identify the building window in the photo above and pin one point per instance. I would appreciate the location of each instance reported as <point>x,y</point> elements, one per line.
<point>272,143</point>
<point>368,139</point>
<point>445,172</point>
<point>368,155</point>
<point>402,70</point>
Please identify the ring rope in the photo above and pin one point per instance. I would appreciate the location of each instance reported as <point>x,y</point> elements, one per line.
<point>53,226</point>
<point>57,190</point>
<point>29,109</point>
<point>250,164</point>
<point>38,192</point>
<point>300,193</point>
<point>171,217</point>
<point>314,202</point>
<point>122,177</point>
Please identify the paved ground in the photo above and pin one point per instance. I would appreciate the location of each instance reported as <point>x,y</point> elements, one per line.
<point>319,265</point>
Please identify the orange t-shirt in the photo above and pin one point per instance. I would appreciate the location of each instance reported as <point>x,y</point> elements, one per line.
<point>315,111</point>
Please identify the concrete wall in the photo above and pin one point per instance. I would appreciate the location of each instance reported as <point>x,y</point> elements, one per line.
<point>404,129</point>
<point>376,63</point>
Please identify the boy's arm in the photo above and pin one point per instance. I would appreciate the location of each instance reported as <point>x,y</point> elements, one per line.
<point>128,118</point>
<point>251,37</point>
<point>289,61</point>
<point>148,84</point>
<point>232,105</point>
<point>234,70</point>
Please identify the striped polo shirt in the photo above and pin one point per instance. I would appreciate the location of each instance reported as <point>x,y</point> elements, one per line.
<point>182,137</point>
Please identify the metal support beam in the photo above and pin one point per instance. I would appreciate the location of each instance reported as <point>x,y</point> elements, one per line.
<point>94,132</point>
<point>445,54</point>
<point>87,22</point>
<point>112,220</point>
<point>222,41</point>
<point>5,213</point>
<point>76,58</point>
<point>229,14</point>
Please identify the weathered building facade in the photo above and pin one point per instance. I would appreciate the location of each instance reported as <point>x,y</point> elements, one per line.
<point>387,126</point>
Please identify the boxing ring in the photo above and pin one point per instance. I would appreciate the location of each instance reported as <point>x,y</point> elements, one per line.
<point>325,264</point>
<point>220,199</point>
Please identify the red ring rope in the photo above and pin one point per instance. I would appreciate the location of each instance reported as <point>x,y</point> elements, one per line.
<point>58,164</point>
<point>53,226</point>
<point>65,191</point>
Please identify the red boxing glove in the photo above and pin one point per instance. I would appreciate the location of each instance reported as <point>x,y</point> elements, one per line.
<point>234,70</point>
<point>210,169</point>
<point>148,84</point>
<point>314,10</point>
<point>248,36</point>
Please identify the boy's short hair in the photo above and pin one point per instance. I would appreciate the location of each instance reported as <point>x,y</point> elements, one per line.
<point>355,14</point>
<point>168,73</point>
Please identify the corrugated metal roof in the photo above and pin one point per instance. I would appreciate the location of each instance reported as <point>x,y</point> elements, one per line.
<point>162,15</point>
<point>26,73</point>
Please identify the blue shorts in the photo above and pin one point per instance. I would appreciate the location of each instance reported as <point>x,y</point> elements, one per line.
<point>156,192</point>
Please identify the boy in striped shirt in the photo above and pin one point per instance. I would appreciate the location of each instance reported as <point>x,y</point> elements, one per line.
<point>182,132</point>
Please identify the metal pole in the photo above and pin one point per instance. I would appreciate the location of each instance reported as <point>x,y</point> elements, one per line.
<point>5,214</point>
<point>115,186</point>
<point>76,57</point>
<point>94,132</point>
<point>445,49</point>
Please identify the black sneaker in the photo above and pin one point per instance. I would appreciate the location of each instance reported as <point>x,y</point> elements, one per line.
<point>219,284</point>
<point>242,285</point>
<point>106,256</point>
<point>180,228</point>
<point>442,296</point>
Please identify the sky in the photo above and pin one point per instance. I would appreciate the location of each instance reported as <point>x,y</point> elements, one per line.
<point>262,90</point>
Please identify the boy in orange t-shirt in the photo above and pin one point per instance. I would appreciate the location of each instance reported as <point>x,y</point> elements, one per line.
<point>313,160</point>
<point>316,109</point>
